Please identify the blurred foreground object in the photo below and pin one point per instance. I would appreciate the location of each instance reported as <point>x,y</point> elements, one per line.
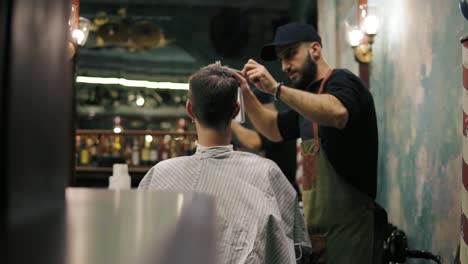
<point>104,226</point>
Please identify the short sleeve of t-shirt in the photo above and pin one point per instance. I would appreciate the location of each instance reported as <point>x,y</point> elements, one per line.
<point>347,88</point>
<point>288,124</point>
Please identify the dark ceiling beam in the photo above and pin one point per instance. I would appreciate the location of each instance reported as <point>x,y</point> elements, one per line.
<point>258,4</point>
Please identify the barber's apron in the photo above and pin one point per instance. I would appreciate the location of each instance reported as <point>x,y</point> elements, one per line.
<point>339,217</point>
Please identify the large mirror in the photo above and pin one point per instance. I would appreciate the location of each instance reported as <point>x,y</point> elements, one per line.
<point>132,66</point>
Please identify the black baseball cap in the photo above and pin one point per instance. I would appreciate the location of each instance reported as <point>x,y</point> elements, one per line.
<point>289,34</point>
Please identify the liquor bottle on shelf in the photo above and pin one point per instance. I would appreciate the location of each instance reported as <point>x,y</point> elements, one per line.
<point>154,153</point>
<point>135,153</point>
<point>128,154</point>
<point>110,145</point>
<point>77,149</point>
<point>174,147</point>
<point>116,146</point>
<point>145,154</point>
<point>165,148</point>
<point>103,147</point>
<point>181,125</point>
<point>84,153</point>
<point>93,150</point>
<point>185,146</point>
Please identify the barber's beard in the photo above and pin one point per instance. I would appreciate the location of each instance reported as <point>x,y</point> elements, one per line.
<point>307,74</point>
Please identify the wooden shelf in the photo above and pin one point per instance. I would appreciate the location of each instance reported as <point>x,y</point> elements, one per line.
<point>89,176</point>
<point>94,176</point>
<point>109,169</point>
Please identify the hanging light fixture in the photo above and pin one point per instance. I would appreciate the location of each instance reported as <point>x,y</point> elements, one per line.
<point>140,101</point>
<point>117,127</point>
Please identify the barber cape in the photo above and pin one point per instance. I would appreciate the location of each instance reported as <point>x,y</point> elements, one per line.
<point>258,216</point>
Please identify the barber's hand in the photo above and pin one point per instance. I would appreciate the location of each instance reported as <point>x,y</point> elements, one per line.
<point>242,82</point>
<point>259,76</point>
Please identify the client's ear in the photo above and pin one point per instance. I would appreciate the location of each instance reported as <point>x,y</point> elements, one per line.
<point>236,110</point>
<point>188,107</point>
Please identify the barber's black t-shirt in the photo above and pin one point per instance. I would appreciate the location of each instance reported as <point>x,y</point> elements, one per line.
<point>353,150</point>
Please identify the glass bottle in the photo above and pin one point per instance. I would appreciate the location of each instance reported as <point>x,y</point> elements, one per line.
<point>84,153</point>
<point>135,153</point>
<point>154,153</point>
<point>145,154</point>
<point>128,154</point>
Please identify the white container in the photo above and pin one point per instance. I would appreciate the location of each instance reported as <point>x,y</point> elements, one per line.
<point>120,179</point>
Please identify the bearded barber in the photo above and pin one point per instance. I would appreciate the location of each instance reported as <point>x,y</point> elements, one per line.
<point>334,114</point>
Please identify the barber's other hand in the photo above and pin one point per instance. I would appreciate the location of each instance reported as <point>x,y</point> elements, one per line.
<point>259,76</point>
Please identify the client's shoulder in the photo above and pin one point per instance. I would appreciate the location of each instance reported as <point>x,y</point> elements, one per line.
<point>171,163</point>
<point>254,159</point>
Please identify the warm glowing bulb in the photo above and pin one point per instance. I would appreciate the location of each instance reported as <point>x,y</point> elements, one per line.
<point>355,36</point>
<point>370,25</point>
<point>78,35</point>
<point>149,138</point>
<point>140,101</point>
<point>117,129</point>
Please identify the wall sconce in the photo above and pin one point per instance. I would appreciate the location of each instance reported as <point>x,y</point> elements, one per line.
<point>361,39</point>
<point>73,21</point>
<point>79,28</point>
<point>80,34</point>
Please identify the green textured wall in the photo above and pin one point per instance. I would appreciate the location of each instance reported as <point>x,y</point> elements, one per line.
<point>332,18</point>
<point>416,82</point>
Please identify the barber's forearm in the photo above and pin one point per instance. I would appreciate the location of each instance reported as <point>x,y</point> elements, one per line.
<point>263,119</point>
<point>325,109</point>
<point>247,137</point>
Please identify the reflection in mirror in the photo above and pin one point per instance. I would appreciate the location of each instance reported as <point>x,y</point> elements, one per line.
<point>134,64</point>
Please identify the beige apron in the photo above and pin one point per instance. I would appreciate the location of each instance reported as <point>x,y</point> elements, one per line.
<point>339,218</point>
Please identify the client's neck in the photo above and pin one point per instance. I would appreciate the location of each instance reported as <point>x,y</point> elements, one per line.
<point>209,137</point>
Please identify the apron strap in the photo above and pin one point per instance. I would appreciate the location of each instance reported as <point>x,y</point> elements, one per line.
<point>314,124</point>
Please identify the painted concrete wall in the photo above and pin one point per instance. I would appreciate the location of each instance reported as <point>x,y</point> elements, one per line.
<point>416,83</point>
<point>332,18</point>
